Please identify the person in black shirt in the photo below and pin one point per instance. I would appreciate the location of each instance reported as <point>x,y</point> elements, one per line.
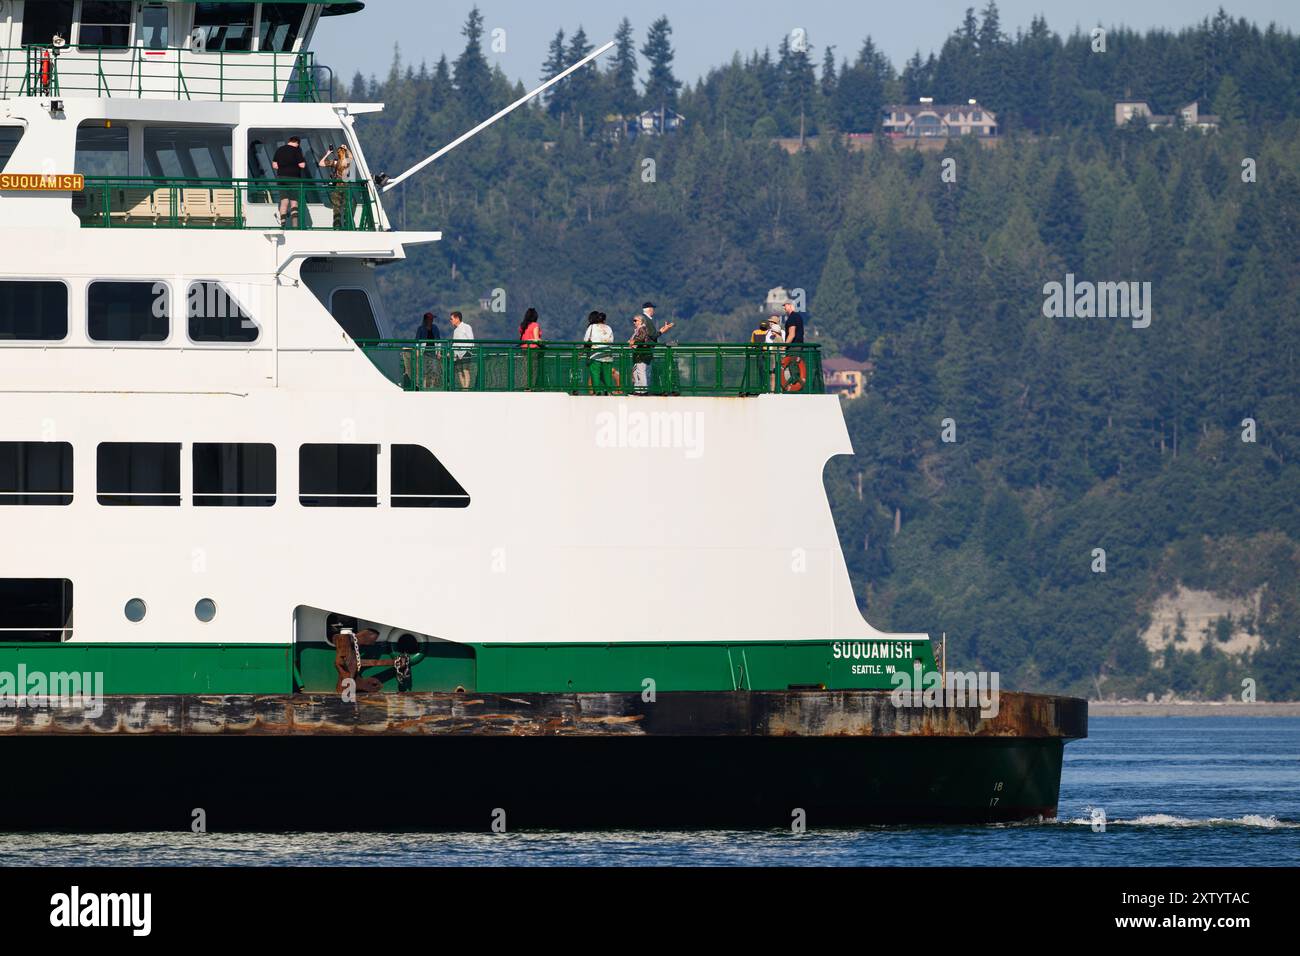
<point>793,364</point>
<point>289,164</point>
<point>429,328</point>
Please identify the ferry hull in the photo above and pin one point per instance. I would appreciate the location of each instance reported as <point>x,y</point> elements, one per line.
<point>572,762</point>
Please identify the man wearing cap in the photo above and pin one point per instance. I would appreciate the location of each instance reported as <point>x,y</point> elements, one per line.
<point>653,332</point>
<point>430,356</point>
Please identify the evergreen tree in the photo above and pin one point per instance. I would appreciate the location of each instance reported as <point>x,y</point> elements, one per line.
<point>660,86</point>
<point>622,72</point>
<point>836,306</point>
<point>557,97</point>
<point>471,74</point>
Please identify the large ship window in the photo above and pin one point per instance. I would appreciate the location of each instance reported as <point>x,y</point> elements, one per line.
<point>105,23</point>
<point>35,473</point>
<point>214,315</point>
<point>278,29</point>
<point>128,311</point>
<point>223,26</point>
<point>188,152</point>
<point>35,609</point>
<point>139,473</point>
<point>338,476</point>
<point>101,149</point>
<point>234,475</point>
<point>153,26</point>
<point>351,309</point>
<point>9,137</point>
<point>33,311</point>
<point>315,143</point>
<point>420,480</point>
<point>42,20</point>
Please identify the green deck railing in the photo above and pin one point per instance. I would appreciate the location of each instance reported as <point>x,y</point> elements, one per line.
<point>162,202</point>
<point>168,73</point>
<point>445,365</point>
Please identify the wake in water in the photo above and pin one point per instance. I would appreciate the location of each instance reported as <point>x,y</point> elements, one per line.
<point>1170,820</point>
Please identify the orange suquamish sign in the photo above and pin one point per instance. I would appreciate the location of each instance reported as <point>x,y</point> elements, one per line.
<point>43,182</point>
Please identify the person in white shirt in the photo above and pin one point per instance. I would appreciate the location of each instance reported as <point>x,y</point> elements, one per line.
<point>600,358</point>
<point>462,331</point>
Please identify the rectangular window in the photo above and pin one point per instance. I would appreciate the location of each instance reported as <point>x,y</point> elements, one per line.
<point>128,311</point>
<point>279,26</point>
<point>338,476</point>
<point>9,137</point>
<point>139,473</point>
<point>35,609</point>
<point>105,23</point>
<point>224,26</point>
<point>153,26</point>
<point>35,473</point>
<point>188,152</point>
<point>214,316</point>
<point>315,143</point>
<point>234,475</point>
<point>33,311</point>
<point>41,21</point>
<point>420,480</point>
<point>101,149</point>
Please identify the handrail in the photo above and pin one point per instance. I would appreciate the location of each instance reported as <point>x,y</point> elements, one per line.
<point>127,70</point>
<point>178,202</point>
<point>458,365</point>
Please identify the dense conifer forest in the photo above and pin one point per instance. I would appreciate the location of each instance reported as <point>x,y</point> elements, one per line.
<point>1072,434</point>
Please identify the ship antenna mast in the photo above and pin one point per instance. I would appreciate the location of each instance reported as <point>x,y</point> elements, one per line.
<point>488,122</point>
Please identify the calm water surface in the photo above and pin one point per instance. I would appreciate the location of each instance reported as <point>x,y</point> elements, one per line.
<point>1175,791</point>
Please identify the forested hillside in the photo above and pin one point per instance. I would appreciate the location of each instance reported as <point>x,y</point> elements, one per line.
<point>1072,434</point>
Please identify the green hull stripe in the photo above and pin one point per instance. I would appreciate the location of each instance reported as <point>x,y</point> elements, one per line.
<point>482,668</point>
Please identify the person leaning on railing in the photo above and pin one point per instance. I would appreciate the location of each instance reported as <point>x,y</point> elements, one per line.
<point>599,338</point>
<point>339,162</point>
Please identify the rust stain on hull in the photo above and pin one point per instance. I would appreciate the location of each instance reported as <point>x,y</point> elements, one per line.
<point>680,714</point>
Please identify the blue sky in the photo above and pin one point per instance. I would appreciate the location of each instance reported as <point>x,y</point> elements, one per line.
<point>706,33</point>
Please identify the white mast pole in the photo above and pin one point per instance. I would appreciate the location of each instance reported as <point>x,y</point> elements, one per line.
<point>488,122</point>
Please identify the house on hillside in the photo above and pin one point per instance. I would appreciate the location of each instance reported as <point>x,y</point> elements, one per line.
<point>1189,117</point>
<point>928,120</point>
<point>619,127</point>
<point>845,377</point>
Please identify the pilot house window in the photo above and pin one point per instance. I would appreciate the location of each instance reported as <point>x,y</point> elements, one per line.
<point>278,28</point>
<point>42,20</point>
<point>35,473</point>
<point>139,473</point>
<point>105,23</point>
<point>338,476</point>
<point>223,26</point>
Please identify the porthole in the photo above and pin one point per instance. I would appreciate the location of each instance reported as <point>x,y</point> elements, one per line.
<point>135,610</point>
<point>205,610</point>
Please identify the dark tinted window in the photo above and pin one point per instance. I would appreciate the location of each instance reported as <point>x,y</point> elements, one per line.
<point>224,26</point>
<point>101,150</point>
<point>279,26</point>
<point>420,480</point>
<point>42,20</point>
<point>234,475</point>
<point>35,609</point>
<point>351,309</point>
<point>139,473</point>
<point>216,317</point>
<point>128,311</point>
<point>9,137</point>
<point>33,311</point>
<point>35,473</point>
<point>105,23</point>
<point>338,476</point>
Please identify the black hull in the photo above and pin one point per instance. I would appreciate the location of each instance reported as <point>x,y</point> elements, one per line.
<point>124,782</point>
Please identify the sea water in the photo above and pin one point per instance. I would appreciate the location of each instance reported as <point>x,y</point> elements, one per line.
<point>1139,791</point>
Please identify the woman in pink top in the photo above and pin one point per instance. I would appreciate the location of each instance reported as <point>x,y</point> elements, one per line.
<point>530,334</point>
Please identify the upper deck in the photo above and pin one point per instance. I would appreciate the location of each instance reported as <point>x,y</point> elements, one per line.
<point>223,50</point>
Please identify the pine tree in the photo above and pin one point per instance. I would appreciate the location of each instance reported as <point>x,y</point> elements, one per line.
<point>660,86</point>
<point>622,72</point>
<point>557,97</point>
<point>836,306</point>
<point>471,74</point>
<point>582,84</point>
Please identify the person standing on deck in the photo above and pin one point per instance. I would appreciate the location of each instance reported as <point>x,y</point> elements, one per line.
<point>339,162</point>
<point>290,167</point>
<point>600,359</point>
<point>462,332</point>
<point>530,334</point>
<point>640,354</point>
<point>794,363</point>
<point>654,331</point>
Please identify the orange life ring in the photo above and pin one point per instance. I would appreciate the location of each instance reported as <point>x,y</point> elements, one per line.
<point>796,382</point>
